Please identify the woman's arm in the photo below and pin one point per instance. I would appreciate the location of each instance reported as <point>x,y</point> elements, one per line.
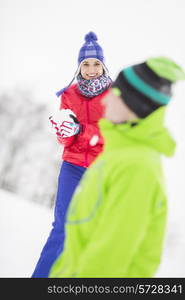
<point>67,141</point>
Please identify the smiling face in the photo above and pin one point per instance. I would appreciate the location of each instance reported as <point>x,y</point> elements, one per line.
<point>91,68</point>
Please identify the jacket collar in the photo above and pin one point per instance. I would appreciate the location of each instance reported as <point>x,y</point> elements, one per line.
<point>149,131</point>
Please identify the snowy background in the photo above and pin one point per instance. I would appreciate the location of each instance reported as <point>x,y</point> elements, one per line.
<point>40,41</point>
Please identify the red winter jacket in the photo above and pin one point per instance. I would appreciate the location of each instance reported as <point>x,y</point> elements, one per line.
<point>77,148</point>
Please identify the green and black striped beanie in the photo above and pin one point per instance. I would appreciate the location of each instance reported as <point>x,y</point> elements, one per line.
<point>145,87</point>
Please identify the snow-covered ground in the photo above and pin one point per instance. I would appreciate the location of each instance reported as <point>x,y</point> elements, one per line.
<point>24,228</point>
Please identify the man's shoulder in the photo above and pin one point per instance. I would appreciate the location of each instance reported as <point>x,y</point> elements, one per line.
<point>132,158</point>
<point>134,154</point>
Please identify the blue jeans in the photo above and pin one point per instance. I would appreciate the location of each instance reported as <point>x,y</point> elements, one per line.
<point>69,178</point>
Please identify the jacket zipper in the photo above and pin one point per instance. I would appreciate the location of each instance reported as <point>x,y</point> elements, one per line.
<point>86,153</point>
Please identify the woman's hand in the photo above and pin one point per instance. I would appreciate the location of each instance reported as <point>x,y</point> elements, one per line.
<point>69,129</point>
<point>65,123</point>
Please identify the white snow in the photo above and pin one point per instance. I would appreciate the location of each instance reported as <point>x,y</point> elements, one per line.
<point>24,228</point>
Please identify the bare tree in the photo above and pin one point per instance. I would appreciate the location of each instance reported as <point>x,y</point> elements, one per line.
<point>29,154</point>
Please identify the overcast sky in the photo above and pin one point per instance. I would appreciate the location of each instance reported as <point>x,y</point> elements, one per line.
<point>40,39</point>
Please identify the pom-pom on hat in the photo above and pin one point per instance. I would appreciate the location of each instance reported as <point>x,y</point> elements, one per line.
<point>91,49</point>
<point>147,86</point>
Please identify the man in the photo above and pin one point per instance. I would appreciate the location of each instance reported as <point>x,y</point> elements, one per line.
<point>116,221</point>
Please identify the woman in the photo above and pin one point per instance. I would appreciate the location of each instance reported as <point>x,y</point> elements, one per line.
<point>78,132</point>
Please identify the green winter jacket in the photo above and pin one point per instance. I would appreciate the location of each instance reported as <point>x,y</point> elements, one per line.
<point>116,220</point>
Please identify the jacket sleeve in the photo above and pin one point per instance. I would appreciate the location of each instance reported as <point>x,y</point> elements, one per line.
<point>122,226</point>
<point>68,141</point>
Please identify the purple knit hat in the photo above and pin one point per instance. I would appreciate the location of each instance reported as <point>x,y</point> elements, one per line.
<point>90,49</point>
